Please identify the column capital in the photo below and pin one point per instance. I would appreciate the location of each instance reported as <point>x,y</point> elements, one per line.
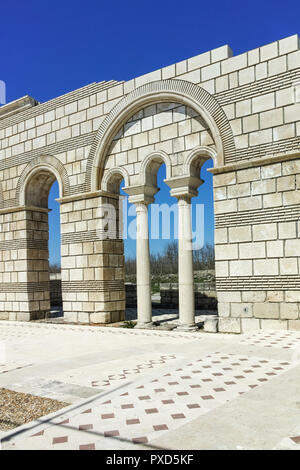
<point>142,194</point>
<point>184,187</point>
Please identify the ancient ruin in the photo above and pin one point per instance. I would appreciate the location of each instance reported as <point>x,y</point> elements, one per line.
<point>243,112</point>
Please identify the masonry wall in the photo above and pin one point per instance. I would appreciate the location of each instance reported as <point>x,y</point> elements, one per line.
<point>92,263</point>
<point>258,246</point>
<point>256,188</point>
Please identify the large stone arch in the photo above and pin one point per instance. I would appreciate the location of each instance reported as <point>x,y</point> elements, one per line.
<point>165,90</point>
<point>39,164</point>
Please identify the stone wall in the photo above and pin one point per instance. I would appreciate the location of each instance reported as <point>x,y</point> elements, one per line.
<point>205,298</point>
<point>258,246</point>
<point>242,111</point>
<point>55,290</point>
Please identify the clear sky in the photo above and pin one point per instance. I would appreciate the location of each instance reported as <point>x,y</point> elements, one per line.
<point>52,47</point>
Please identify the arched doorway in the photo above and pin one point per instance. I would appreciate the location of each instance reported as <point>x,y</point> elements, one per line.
<point>173,134</point>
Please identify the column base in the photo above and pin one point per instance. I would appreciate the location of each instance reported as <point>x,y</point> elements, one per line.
<point>187,328</point>
<point>142,326</point>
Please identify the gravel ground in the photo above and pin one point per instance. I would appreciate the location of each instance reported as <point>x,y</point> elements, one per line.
<point>20,408</point>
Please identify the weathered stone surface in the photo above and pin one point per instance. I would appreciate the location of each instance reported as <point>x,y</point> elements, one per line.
<point>240,111</point>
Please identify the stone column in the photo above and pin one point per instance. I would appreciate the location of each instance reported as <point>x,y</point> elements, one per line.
<point>143,280</point>
<point>184,188</point>
<point>185,265</point>
<point>141,196</point>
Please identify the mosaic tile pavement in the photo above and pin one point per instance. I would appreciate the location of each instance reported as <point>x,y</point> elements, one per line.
<point>163,404</point>
<point>142,397</point>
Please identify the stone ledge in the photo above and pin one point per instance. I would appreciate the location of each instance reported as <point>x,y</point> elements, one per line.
<point>17,106</point>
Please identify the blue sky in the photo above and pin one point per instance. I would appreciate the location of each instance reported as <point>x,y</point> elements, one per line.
<point>52,47</point>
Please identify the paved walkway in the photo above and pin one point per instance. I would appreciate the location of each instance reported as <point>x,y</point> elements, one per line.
<point>132,389</point>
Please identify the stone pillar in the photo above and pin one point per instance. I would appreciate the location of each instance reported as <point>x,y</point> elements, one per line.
<point>92,259</point>
<point>185,265</point>
<point>184,188</point>
<point>141,196</point>
<point>143,280</point>
<point>24,269</point>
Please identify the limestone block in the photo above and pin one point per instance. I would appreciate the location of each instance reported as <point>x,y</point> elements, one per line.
<point>4,316</point>
<point>261,71</point>
<point>271,118</point>
<point>292,296</point>
<point>198,61</point>
<point>260,137</point>
<point>224,252</point>
<point>275,296</point>
<point>239,310</point>
<point>285,96</point>
<point>224,179</point>
<point>221,268</point>
<point>229,325</point>
<point>240,268</point>
<point>263,102</point>
<point>253,296</point>
<point>250,203</point>
<point>293,60</point>
<point>229,297</point>
<point>266,310</point>
<point>291,168</point>
<point>249,324</point>
<point>222,207</point>
<point>243,108</point>
<point>221,235</point>
<point>223,309</point>
<point>70,317</point>
<point>249,175</point>
<point>234,63</point>
<point>291,197</point>
<point>23,316</point>
<point>275,249</point>
<point>266,267</point>
<point>240,234</point>
<point>284,132</point>
<point>220,193</point>
<point>288,266</point>
<point>274,324</point>
<point>289,311</point>
<point>100,317</point>
<point>289,44</point>
<point>263,187</point>
<point>291,113</point>
<point>246,76</point>
<point>211,324</point>
<point>269,51</point>
<point>272,200</point>
<point>264,232</point>
<point>277,66</point>
<point>83,317</point>
<point>210,71</point>
<point>238,190</point>
<point>292,247</point>
<point>286,183</point>
<point>294,325</point>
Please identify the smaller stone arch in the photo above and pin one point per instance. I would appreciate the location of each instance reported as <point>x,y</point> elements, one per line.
<point>151,164</point>
<point>112,179</point>
<point>196,158</point>
<point>41,173</point>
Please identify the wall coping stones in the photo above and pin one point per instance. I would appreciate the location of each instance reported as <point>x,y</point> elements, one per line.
<point>16,106</point>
